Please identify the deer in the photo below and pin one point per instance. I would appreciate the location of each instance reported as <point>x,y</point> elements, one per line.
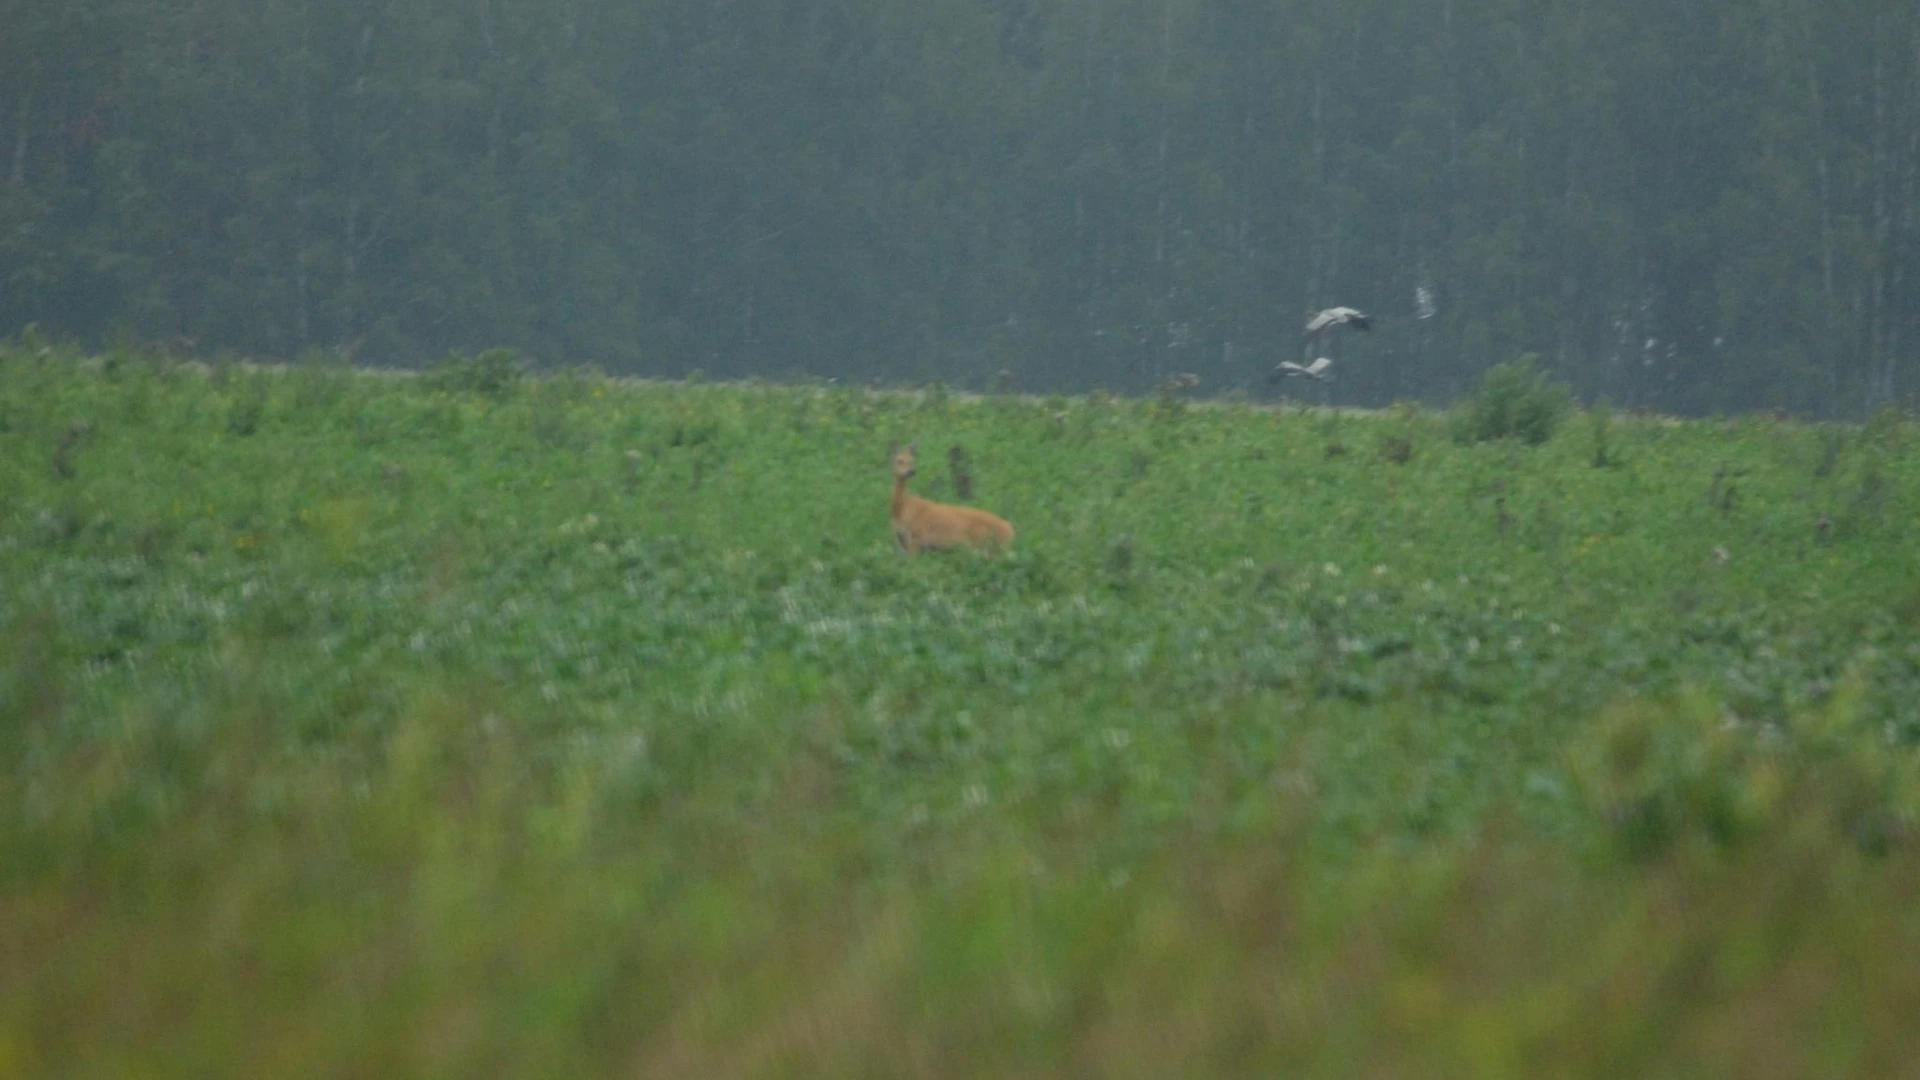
<point>920,524</point>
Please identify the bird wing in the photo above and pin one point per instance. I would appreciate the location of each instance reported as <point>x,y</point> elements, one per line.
<point>1319,365</point>
<point>1290,367</point>
<point>1339,316</point>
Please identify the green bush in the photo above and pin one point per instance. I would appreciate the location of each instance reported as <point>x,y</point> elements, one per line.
<point>494,373</point>
<point>1514,401</point>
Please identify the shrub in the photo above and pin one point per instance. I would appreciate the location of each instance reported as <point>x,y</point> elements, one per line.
<point>1514,401</point>
<point>1600,427</point>
<point>494,373</point>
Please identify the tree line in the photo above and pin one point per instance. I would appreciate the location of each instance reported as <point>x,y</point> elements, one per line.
<point>1695,206</point>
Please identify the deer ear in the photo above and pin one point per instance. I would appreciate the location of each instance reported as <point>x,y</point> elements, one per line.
<point>893,447</point>
<point>914,448</point>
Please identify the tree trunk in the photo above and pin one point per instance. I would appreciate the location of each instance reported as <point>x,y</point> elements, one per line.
<point>1824,174</point>
<point>1163,273</point>
<point>18,173</point>
<point>1879,356</point>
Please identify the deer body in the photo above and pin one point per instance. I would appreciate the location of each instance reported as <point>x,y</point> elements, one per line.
<point>921,524</point>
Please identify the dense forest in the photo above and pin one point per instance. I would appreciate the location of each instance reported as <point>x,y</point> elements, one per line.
<point>1690,205</point>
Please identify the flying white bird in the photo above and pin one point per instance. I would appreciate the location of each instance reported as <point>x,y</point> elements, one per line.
<point>1320,322</point>
<point>1315,371</point>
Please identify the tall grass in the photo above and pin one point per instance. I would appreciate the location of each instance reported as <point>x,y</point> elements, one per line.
<point>564,726</point>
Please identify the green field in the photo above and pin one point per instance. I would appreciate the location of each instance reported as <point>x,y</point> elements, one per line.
<point>471,724</point>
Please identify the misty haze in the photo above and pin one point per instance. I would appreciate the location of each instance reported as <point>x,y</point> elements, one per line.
<point>939,538</point>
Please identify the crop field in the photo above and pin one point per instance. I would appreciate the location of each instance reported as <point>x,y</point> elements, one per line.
<point>478,724</point>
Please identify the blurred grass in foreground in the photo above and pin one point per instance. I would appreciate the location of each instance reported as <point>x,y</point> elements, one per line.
<point>452,898</point>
